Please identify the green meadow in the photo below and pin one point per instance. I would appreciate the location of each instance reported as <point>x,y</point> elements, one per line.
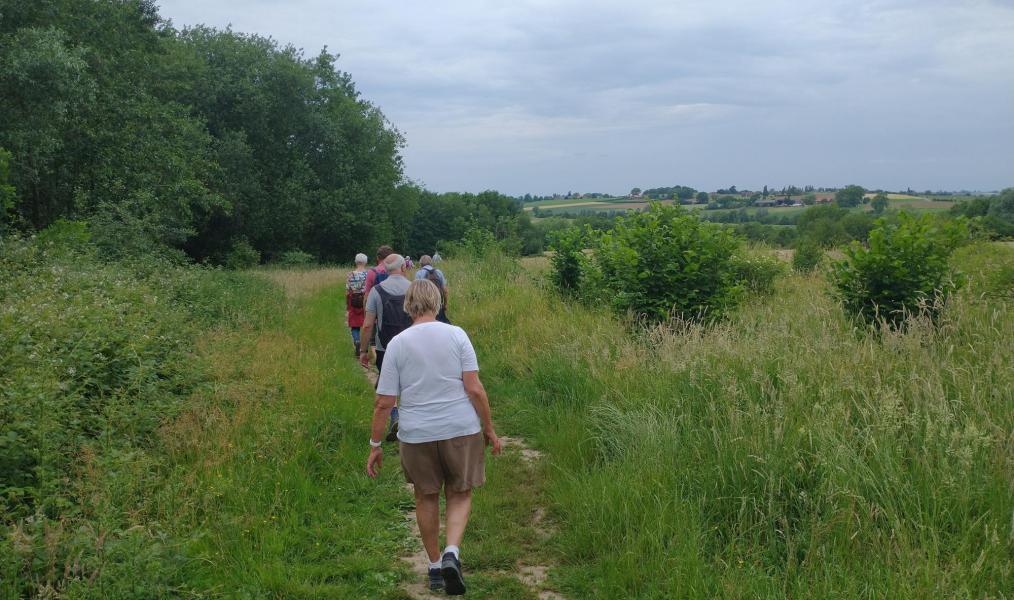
<point>781,453</point>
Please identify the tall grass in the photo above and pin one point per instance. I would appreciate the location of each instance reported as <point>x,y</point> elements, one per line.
<point>785,452</point>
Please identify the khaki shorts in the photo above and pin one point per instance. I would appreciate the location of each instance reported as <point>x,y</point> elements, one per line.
<point>459,462</point>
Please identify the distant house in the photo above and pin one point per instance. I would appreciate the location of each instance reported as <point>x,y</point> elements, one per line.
<point>824,199</point>
<point>766,202</point>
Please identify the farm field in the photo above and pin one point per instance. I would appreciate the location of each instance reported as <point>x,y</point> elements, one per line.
<point>913,204</point>
<point>567,201</point>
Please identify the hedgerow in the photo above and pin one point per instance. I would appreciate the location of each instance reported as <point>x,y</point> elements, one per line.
<point>95,356</point>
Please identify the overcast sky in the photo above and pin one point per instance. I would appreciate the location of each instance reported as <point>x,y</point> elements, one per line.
<point>585,95</point>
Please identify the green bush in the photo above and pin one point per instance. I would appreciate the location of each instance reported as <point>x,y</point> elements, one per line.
<point>568,261</point>
<point>808,256</point>
<point>904,271</point>
<point>295,258</point>
<point>242,255</point>
<point>667,263</point>
<point>757,271</point>
<point>94,358</point>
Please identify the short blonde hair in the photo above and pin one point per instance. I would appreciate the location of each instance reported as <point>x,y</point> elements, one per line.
<point>422,298</point>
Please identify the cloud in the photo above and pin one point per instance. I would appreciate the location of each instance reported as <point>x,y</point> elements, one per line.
<point>547,96</point>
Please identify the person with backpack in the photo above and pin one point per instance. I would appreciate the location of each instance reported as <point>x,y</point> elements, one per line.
<point>428,271</point>
<point>377,274</point>
<point>386,316</point>
<point>355,299</point>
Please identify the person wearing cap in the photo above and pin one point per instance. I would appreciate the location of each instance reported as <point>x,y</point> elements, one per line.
<point>432,372</point>
<point>355,299</point>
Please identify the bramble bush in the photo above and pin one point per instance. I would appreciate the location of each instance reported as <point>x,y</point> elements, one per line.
<point>94,357</point>
<point>666,263</point>
<point>904,270</point>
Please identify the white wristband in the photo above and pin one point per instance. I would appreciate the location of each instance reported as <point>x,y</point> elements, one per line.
<point>375,444</point>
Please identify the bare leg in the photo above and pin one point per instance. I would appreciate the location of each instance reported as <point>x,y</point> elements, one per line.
<point>459,505</point>
<point>427,515</point>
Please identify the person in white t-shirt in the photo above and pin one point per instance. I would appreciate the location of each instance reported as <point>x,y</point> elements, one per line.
<point>445,424</point>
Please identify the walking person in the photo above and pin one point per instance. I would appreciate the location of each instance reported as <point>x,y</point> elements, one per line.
<point>432,370</point>
<point>355,300</point>
<point>428,271</point>
<point>378,273</point>
<point>385,318</point>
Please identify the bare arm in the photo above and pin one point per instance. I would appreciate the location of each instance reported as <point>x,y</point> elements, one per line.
<point>477,394</point>
<point>365,335</point>
<point>381,411</point>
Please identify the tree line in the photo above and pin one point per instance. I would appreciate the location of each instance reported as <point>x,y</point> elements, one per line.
<point>204,140</point>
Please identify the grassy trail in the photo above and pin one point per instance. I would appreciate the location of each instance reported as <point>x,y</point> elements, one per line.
<point>273,462</point>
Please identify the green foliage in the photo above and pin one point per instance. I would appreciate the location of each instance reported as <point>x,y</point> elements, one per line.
<point>809,199</point>
<point>879,203</point>
<point>991,217</point>
<point>190,138</point>
<point>850,196</point>
<point>242,255</point>
<point>741,461</point>
<point>97,356</point>
<point>666,263</point>
<point>65,234</point>
<point>295,258</point>
<point>1001,282</point>
<point>831,225</point>
<point>904,271</point>
<point>8,195</point>
<point>568,260</point>
<point>808,256</point>
<point>757,271</point>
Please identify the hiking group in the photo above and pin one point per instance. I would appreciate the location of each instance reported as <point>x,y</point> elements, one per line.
<point>428,397</point>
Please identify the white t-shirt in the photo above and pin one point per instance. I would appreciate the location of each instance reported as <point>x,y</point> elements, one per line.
<point>423,367</point>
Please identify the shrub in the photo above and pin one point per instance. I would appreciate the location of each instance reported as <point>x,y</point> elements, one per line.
<point>476,242</point>
<point>757,271</point>
<point>904,271</point>
<point>665,263</point>
<point>568,260</point>
<point>94,358</point>
<point>242,255</point>
<point>295,258</point>
<point>808,256</point>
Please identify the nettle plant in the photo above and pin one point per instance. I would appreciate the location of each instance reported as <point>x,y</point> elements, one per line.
<point>904,271</point>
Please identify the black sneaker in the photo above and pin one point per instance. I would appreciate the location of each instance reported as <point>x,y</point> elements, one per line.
<point>392,436</point>
<point>451,569</point>
<point>436,580</point>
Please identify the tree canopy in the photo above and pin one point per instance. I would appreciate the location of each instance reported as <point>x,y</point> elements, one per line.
<point>204,140</point>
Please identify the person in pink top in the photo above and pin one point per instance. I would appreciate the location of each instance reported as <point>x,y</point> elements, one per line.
<point>378,271</point>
